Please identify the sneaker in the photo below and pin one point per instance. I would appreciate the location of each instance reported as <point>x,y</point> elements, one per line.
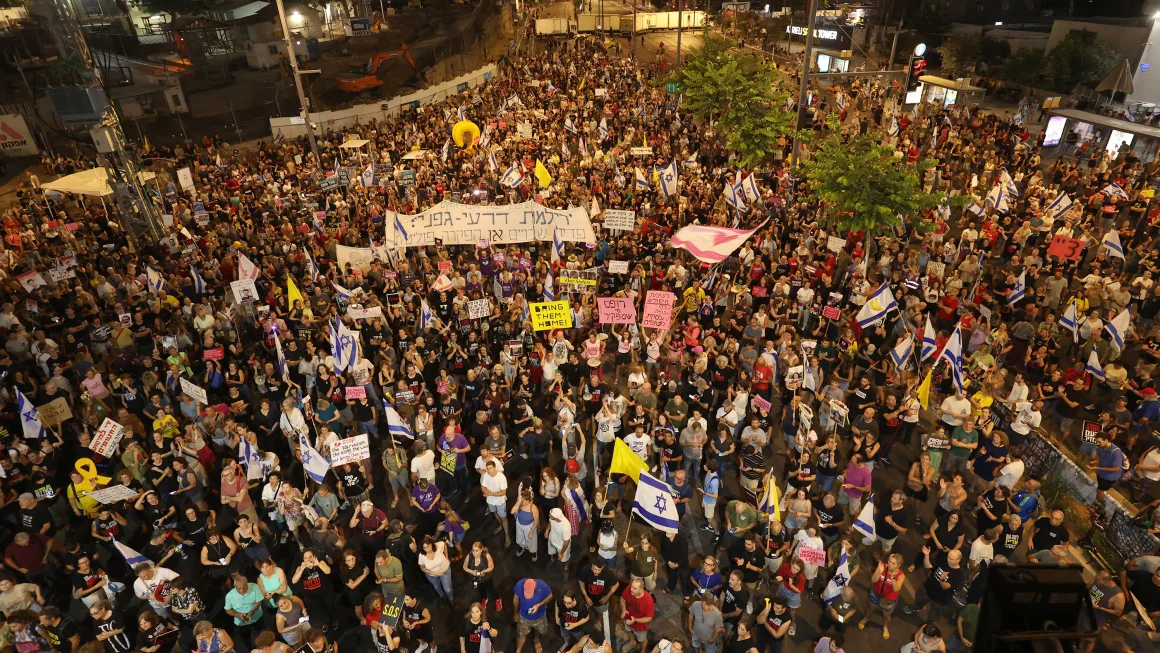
<point>792,629</point>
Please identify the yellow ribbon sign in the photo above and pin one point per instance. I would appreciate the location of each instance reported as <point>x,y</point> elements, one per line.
<point>88,470</point>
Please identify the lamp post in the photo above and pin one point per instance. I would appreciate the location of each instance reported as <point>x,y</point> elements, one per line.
<point>298,83</point>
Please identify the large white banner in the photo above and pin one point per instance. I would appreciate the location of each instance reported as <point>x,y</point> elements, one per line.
<point>464,224</point>
<point>16,137</point>
<point>360,258</point>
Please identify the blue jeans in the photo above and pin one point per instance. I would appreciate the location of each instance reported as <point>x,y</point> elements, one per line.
<point>442,585</point>
<point>692,467</point>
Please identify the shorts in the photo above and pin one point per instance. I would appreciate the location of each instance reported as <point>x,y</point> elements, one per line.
<point>524,626</point>
<point>792,599</point>
<point>639,635</point>
<point>887,605</point>
<point>498,509</point>
<point>1106,484</point>
<point>709,647</point>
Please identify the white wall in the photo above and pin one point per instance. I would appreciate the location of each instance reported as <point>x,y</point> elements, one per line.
<point>1147,82</point>
<point>1017,39</point>
<point>1129,41</point>
<point>337,120</point>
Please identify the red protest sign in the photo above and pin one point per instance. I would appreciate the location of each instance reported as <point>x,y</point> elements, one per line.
<point>1064,247</point>
<point>215,354</point>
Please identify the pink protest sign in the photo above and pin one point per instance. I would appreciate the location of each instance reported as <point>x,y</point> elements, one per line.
<point>356,392</point>
<point>811,556</point>
<point>658,309</point>
<point>616,310</point>
<point>760,403</point>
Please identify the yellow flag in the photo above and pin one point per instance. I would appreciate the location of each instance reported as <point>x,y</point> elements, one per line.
<point>148,147</point>
<point>773,508</point>
<point>923,392</point>
<point>625,461</point>
<point>542,174</point>
<point>292,293</point>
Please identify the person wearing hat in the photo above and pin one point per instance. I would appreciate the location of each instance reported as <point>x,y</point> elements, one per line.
<point>559,536</point>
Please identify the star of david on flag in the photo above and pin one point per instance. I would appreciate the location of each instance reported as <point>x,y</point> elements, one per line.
<point>653,504</point>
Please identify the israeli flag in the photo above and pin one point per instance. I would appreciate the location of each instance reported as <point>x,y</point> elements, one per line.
<point>603,129</point>
<point>315,464</point>
<point>447,149</point>
<point>1009,184</point>
<point>565,153</point>
<point>29,417</point>
<point>929,343</point>
<point>283,369</point>
<point>642,179</point>
<point>864,524</point>
<point>619,179</point>
<point>711,280</point>
<point>1070,320</point>
<point>668,175</point>
<point>731,197</point>
<point>492,163</point>
<point>198,281</point>
<point>1093,366</point>
<point>485,136</point>
<point>841,579</point>
<point>569,125</point>
<point>1059,206</point>
<point>342,292</point>
<point>557,245</point>
<point>1118,329</point>
<point>512,177</point>
<point>841,101</point>
<point>132,558</point>
<point>312,266</point>
<point>934,138</point>
<point>893,129</point>
<point>344,346</point>
<point>1114,190</point>
<point>368,175</point>
<point>749,188</point>
<point>549,288</point>
<point>426,317</point>
<point>583,147</point>
<point>975,209</point>
<point>1112,242</point>
<point>1019,290</point>
<point>953,354</point>
<point>902,352</point>
<point>1131,116</point>
<point>997,197</point>
<point>877,306</point>
<point>156,281</point>
<point>943,211</point>
<point>252,459</point>
<point>396,425</point>
<point>400,229</point>
<point>463,112</point>
<point>654,504</point>
<point>526,314</point>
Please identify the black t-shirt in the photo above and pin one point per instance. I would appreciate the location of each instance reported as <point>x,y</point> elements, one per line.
<point>829,519</point>
<point>1048,535</point>
<point>1008,541</point>
<point>118,643</point>
<point>33,520</point>
<point>353,482</point>
<point>756,557</point>
<point>597,586</point>
<point>313,580</point>
<point>884,529</point>
<point>732,600</point>
<point>573,614</point>
<point>1145,590</point>
<point>941,572</point>
<point>58,635</point>
<point>472,635</point>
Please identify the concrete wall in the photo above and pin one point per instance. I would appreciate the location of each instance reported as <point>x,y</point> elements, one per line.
<point>1017,39</point>
<point>1129,41</point>
<point>1146,83</point>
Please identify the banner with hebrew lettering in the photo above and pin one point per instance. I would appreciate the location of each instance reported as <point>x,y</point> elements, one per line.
<point>466,224</point>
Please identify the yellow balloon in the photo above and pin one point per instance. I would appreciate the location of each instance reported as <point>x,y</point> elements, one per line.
<point>465,133</point>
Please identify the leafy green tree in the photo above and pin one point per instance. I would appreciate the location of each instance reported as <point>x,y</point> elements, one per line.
<point>1080,58</point>
<point>960,54</point>
<point>729,86</point>
<point>866,187</point>
<point>1024,67</point>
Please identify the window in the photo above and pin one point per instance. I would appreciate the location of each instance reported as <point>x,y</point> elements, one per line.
<point>273,49</point>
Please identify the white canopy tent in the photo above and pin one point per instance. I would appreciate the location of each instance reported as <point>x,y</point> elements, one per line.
<point>93,182</point>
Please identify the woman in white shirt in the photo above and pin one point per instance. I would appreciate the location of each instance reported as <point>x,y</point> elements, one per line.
<point>436,565</point>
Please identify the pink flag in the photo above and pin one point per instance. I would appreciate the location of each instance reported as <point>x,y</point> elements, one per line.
<point>246,268</point>
<point>711,244</point>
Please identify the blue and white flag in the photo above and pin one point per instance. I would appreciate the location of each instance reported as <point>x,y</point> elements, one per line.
<point>1093,366</point>
<point>864,524</point>
<point>997,197</point>
<point>29,417</point>
<point>492,163</point>
<point>132,558</point>
<point>463,112</point>
<point>732,198</point>
<point>893,129</point>
<point>1019,290</point>
<point>1118,329</point>
<point>642,179</point>
<point>557,245</point>
<point>711,280</point>
<point>943,211</point>
<point>1114,190</point>
<point>902,352</point>
<point>1070,320</point>
<point>840,579</point>
<point>877,306</point>
<point>312,266</point>
<point>749,188</point>
<point>368,175</point>
<point>953,354</point>
<point>512,177</point>
<point>654,504</point>
<point>603,129</point>
<point>315,464</point>
<point>549,288</point>
<point>1112,242</point>
<point>526,313</point>
<point>447,149</point>
<point>279,137</point>
<point>669,175</point>
<point>975,209</point>
<point>344,346</point>
<point>841,101</point>
<point>1059,206</point>
<point>569,125</point>
<point>400,230</point>
<point>1009,184</point>
<point>156,281</point>
<point>252,459</point>
<point>619,178</point>
<point>583,147</point>
<point>426,317</point>
<point>929,343</point>
<point>283,368</point>
<point>342,292</point>
<point>396,425</point>
<point>484,137</point>
<point>198,281</point>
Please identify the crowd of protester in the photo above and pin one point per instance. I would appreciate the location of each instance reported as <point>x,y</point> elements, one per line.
<point>490,514</point>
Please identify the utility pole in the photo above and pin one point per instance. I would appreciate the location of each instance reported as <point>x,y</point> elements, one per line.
<point>680,27</point>
<point>804,91</point>
<point>298,84</point>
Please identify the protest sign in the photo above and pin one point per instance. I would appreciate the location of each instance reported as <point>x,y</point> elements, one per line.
<point>478,308</point>
<point>760,403</point>
<point>194,391</point>
<point>350,450</point>
<point>618,267</point>
<point>810,556</point>
<point>364,313</point>
<point>356,392</point>
<point>1090,431</point>
<point>54,412</point>
<point>244,290</point>
<point>617,219</point>
<point>835,244</point>
<point>214,354</point>
<point>658,309</point>
<point>466,224</point>
<point>106,438</point>
<point>1064,247</point>
<point>551,315</point>
<point>616,310</point>
<point>113,494</point>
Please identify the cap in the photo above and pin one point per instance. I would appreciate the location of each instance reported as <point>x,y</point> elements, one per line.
<point>573,467</point>
<point>1148,392</point>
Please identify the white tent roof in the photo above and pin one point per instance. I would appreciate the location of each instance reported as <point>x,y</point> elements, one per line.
<point>94,182</point>
<point>353,144</point>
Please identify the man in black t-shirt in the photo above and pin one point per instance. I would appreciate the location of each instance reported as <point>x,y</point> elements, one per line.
<point>598,584</point>
<point>1047,534</point>
<point>734,602</point>
<point>890,522</point>
<point>110,628</point>
<point>571,616</point>
<point>830,517</point>
<point>59,629</point>
<point>946,575</point>
<point>34,517</point>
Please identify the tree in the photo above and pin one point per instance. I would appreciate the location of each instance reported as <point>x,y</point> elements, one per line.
<point>866,187</point>
<point>731,87</point>
<point>1024,67</point>
<point>960,54</point>
<point>1080,58</point>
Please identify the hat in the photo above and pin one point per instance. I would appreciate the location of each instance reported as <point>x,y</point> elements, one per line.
<point>594,362</point>
<point>557,513</point>
<point>1148,392</point>
<point>573,467</point>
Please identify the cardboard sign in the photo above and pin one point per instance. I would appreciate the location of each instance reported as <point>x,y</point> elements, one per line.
<point>618,267</point>
<point>641,151</point>
<point>31,280</point>
<point>616,310</point>
<point>551,315</point>
<point>113,494</point>
<point>56,275</point>
<point>832,312</point>
<point>194,391</point>
<point>618,219</point>
<point>364,313</point>
<point>244,290</point>
<point>350,450</point>
<point>54,412</point>
<point>524,129</point>
<point>835,244</point>
<point>658,309</point>
<point>126,319</point>
<point>478,308</point>
<point>215,354</point>
<point>761,403</point>
<point>185,179</point>
<point>759,291</point>
<point>499,257</point>
<point>106,438</point>
<point>1064,247</point>
<point>356,392</point>
<point>1090,431</point>
<point>811,556</point>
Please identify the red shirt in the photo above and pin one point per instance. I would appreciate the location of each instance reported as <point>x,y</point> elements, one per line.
<point>947,307</point>
<point>762,375</point>
<point>638,607</point>
<point>789,580</point>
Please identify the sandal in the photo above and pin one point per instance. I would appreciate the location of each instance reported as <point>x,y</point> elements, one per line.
<point>885,633</point>
<point>862,625</point>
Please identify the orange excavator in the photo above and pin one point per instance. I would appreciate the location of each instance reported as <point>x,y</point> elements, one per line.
<point>365,77</point>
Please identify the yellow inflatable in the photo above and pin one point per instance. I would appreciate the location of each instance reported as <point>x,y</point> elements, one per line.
<point>465,133</point>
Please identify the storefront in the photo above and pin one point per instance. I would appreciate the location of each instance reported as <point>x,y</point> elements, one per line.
<point>1068,129</point>
<point>832,61</point>
<point>944,92</point>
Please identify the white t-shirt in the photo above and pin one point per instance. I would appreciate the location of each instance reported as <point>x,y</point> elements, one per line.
<point>481,465</point>
<point>145,589</point>
<point>1010,474</point>
<point>423,465</point>
<point>952,407</point>
<point>981,550</point>
<point>638,443</point>
<point>497,483</point>
<point>1026,418</point>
